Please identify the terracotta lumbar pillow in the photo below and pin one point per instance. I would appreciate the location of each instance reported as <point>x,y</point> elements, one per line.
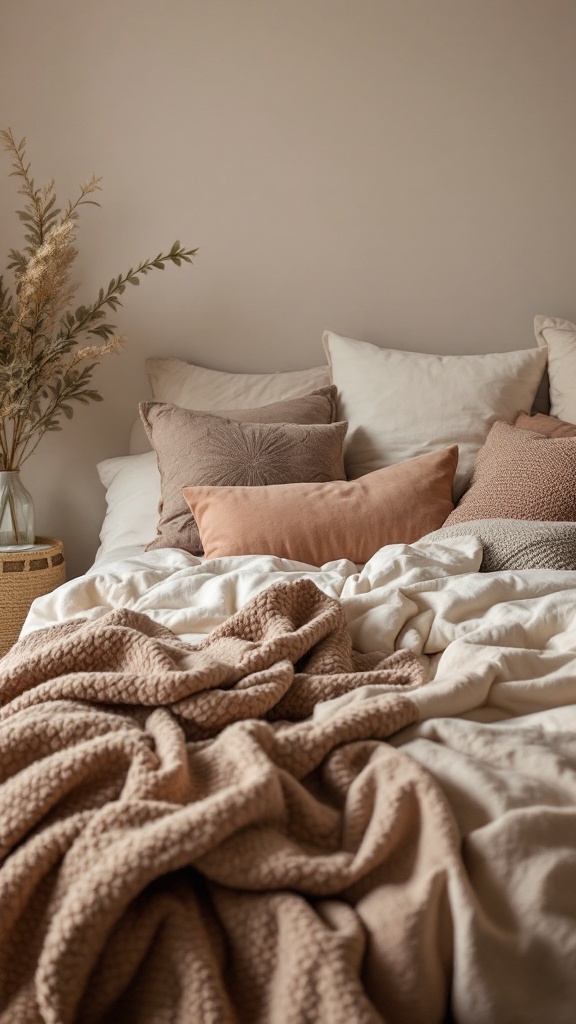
<point>521,474</point>
<point>199,448</point>
<point>319,522</point>
<point>542,424</point>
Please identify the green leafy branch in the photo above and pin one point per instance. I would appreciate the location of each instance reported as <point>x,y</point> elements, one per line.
<point>87,319</point>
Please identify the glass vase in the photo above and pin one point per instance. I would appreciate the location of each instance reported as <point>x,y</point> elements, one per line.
<point>16,511</point>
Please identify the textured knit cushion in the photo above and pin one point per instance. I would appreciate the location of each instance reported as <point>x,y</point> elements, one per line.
<point>517,543</point>
<point>317,523</point>
<point>549,425</point>
<point>196,448</point>
<point>558,337</point>
<point>402,404</point>
<point>520,474</point>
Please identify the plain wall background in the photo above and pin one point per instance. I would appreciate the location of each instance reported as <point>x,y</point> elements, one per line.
<point>399,171</point>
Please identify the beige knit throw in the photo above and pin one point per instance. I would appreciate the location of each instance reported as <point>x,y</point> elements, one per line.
<point>171,857</point>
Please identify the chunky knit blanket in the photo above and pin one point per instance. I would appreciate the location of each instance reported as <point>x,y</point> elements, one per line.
<point>183,841</point>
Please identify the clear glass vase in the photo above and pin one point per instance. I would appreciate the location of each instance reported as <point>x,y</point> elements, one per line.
<point>16,511</point>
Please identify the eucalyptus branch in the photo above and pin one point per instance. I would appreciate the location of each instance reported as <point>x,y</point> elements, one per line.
<point>81,320</point>
<point>48,421</point>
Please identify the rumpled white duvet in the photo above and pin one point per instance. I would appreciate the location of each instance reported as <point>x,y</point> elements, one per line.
<point>497,729</point>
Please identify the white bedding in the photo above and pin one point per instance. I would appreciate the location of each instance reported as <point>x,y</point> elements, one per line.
<point>493,644</point>
<point>497,729</point>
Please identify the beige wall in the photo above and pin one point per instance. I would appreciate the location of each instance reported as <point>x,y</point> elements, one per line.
<point>401,171</point>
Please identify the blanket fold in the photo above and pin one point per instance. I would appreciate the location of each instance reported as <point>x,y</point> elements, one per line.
<point>281,654</point>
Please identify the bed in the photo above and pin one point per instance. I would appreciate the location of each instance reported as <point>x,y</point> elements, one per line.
<point>305,749</point>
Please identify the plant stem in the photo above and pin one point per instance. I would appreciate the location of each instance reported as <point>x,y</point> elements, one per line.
<point>13,517</point>
<point>8,500</point>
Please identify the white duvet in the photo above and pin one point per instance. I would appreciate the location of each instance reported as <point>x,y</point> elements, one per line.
<point>497,729</point>
<point>494,644</point>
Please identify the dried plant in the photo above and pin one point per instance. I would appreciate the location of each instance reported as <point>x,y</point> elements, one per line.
<point>48,350</point>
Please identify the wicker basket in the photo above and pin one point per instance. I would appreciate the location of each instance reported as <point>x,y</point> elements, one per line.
<point>25,575</point>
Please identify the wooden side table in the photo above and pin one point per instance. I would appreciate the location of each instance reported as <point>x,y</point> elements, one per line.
<point>25,574</point>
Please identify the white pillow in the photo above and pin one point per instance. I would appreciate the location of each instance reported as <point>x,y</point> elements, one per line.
<point>559,337</point>
<point>194,387</point>
<point>132,485</point>
<point>403,404</point>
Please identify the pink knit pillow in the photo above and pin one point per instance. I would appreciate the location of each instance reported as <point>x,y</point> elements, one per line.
<point>319,522</point>
<point>520,474</point>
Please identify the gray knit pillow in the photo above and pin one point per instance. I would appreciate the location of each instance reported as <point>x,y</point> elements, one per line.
<point>518,543</point>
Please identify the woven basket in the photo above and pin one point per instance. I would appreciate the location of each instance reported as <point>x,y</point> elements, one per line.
<point>25,575</point>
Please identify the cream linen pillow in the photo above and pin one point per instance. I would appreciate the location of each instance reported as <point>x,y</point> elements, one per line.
<point>402,404</point>
<point>195,387</point>
<point>521,474</point>
<point>197,448</point>
<point>559,338</point>
<point>319,522</point>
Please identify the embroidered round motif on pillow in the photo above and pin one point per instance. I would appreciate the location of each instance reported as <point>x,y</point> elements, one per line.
<point>200,448</point>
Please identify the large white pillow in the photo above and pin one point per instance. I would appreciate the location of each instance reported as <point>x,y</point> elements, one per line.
<point>132,485</point>
<point>195,387</point>
<point>559,337</point>
<point>403,404</point>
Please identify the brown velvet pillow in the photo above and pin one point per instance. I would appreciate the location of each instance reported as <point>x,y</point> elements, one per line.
<point>317,407</point>
<point>199,448</point>
<point>542,424</point>
<point>319,522</point>
<point>521,474</point>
